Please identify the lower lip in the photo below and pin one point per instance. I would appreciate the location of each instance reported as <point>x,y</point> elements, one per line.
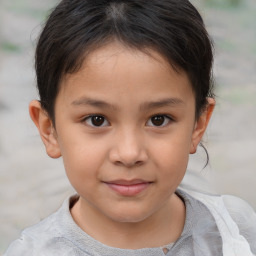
<point>129,190</point>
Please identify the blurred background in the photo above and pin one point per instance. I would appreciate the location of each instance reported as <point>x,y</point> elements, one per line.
<point>32,185</point>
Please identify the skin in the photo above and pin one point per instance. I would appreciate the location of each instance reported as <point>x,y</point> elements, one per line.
<point>127,169</point>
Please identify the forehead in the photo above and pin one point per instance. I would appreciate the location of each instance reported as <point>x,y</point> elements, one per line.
<point>115,71</point>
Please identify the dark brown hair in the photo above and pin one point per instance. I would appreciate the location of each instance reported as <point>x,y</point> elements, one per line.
<point>173,28</point>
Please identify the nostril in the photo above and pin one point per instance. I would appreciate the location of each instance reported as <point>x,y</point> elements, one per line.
<point>130,164</point>
<point>138,163</point>
<point>119,163</point>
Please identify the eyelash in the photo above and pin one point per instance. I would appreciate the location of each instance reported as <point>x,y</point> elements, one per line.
<point>167,120</point>
<point>85,120</point>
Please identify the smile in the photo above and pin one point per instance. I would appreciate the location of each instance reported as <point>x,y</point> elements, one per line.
<point>128,188</point>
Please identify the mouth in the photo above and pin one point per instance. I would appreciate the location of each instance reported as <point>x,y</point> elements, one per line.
<point>128,188</point>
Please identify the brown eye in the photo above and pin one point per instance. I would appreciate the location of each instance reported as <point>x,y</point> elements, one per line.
<point>159,120</point>
<point>96,121</point>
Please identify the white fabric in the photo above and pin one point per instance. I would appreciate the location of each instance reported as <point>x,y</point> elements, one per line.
<point>234,244</point>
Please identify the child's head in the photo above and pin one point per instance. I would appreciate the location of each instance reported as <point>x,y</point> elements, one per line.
<point>124,89</point>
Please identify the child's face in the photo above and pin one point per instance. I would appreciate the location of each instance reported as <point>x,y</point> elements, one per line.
<point>125,126</point>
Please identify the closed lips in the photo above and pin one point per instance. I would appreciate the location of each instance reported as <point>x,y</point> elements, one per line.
<point>128,188</point>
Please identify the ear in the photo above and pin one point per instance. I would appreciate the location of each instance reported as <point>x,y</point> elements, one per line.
<point>201,125</point>
<point>45,128</point>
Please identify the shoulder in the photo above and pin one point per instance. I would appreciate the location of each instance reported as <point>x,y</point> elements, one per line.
<point>33,239</point>
<point>244,216</point>
<point>232,214</point>
<point>239,209</point>
<point>45,238</point>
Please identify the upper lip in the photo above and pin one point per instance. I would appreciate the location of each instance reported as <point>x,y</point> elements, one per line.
<point>127,182</point>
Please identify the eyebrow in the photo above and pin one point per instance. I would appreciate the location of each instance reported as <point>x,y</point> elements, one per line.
<point>93,102</point>
<point>172,102</point>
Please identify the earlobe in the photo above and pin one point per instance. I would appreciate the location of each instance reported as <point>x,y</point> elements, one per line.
<point>45,128</point>
<point>201,125</point>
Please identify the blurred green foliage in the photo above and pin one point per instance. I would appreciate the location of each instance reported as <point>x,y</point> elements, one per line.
<point>239,95</point>
<point>24,7</point>
<point>9,47</point>
<point>224,3</point>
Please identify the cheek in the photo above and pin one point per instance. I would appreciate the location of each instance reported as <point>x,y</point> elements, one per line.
<point>171,158</point>
<point>172,151</point>
<point>82,158</point>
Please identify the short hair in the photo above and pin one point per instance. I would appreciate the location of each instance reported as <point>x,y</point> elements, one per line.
<point>173,28</point>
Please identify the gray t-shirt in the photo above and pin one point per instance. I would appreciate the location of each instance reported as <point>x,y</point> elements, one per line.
<point>59,235</point>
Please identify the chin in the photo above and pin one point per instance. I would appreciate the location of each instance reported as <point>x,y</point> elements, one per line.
<point>129,216</point>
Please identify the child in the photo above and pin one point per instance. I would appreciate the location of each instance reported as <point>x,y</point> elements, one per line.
<point>125,96</point>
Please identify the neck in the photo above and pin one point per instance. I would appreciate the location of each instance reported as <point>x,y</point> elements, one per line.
<point>159,229</point>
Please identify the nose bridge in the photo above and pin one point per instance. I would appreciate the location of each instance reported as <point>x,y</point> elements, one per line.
<point>129,148</point>
<point>130,139</point>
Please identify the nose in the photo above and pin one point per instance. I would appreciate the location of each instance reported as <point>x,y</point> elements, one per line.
<point>128,149</point>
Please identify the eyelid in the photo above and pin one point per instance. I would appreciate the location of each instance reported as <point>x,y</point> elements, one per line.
<point>84,120</point>
<point>170,119</point>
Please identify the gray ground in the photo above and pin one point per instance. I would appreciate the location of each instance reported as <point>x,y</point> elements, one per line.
<point>32,185</point>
